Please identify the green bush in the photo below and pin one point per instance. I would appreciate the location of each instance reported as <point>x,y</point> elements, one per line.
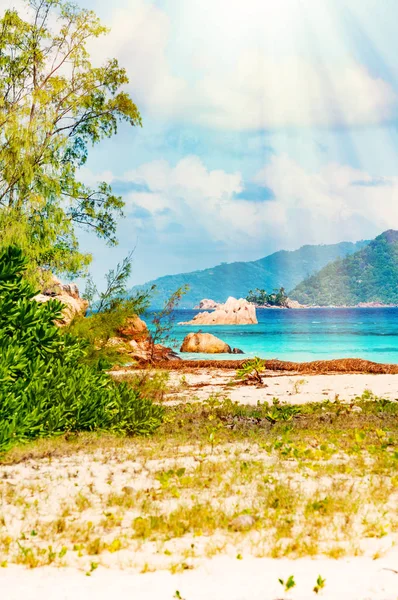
<point>45,387</point>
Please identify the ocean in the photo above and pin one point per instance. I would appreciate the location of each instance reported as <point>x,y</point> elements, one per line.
<point>306,335</point>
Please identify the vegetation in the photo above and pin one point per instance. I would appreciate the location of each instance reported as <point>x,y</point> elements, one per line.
<point>164,320</point>
<point>322,484</point>
<point>54,105</point>
<point>111,310</point>
<point>251,370</point>
<point>369,275</point>
<point>282,268</point>
<point>261,298</point>
<point>289,584</point>
<point>45,389</point>
<point>320,584</point>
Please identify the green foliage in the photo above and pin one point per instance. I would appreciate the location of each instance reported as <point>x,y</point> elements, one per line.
<point>45,389</point>
<point>289,584</point>
<point>112,311</point>
<point>320,584</point>
<point>282,268</point>
<point>54,105</point>
<point>279,413</point>
<point>116,280</point>
<point>251,370</point>
<point>163,321</point>
<point>261,298</point>
<point>369,275</point>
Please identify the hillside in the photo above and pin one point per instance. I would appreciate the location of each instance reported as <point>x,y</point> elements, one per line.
<point>281,269</point>
<point>369,275</point>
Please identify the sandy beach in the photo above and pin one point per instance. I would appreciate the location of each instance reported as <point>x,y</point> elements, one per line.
<point>219,579</point>
<point>161,517</point>
<point>201,383</point>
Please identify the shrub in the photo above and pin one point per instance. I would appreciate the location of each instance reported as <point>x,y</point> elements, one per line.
<point>251,370</point>
<point>45,388</point>
<point>109,312</point>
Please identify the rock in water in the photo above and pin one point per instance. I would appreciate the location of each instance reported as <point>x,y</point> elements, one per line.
<point>237,351</point>
<point>207,304</point>
<point>293,304</point>
<point>233,312</point>
<point>205,343</point>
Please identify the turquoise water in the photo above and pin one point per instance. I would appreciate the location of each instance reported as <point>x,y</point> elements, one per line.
<point>308,334</point>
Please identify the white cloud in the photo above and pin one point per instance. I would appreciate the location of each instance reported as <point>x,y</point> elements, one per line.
<point>333,204</point>
<point>223,84</point>
<point>246,68</point>
<point>193,217</point>
<point>139,36</point>
<point>261,92</point>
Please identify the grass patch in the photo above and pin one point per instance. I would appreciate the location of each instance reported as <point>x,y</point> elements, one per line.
<point>319,480</point>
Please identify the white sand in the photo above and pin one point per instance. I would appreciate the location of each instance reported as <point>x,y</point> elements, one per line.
<point>218,579</point>
<point>294,389</point>
<point>223,577</point>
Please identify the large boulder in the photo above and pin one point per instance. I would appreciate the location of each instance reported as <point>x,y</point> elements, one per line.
<point>205,343</point>
<point>233,312</point>
<point>68,294</point>
<point>134,340</point>
<point>143,351</point>
<point>134,329</point>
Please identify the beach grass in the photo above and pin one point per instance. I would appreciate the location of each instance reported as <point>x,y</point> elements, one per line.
<point>218,477</point>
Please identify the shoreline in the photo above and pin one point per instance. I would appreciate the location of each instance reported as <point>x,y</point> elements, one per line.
<point>327,307</point>
<point>338,366</point>
<point>303,307</point>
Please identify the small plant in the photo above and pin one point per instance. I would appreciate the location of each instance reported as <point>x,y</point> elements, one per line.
<point>251,370</point>
<point>281,413</point>
<point>320,584</point>
<point>297,385</point>
<point>178,596</point>
<point>289,584</point>
<point>93,566</point>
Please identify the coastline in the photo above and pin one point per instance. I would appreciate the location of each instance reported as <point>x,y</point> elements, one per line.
<point>304,307</point>
<point>319,367</point>
<point>329,306</point>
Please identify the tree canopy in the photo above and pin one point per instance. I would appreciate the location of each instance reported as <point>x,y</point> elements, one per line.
<point>261,298</point>
<point>54,106</point>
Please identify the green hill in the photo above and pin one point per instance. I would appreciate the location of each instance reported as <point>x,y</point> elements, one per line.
<point>369,275</point>
<point>281,269</point>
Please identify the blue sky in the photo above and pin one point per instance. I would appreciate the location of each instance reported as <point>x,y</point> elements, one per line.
<point>268,124</point>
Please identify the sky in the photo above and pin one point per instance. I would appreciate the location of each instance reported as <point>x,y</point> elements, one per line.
<point>267,125</point>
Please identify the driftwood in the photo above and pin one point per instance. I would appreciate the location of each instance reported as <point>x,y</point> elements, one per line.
<point>318,367</point>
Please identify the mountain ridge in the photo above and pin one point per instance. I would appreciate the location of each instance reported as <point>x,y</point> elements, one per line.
<point>284,268</point>
<point>364,277</point>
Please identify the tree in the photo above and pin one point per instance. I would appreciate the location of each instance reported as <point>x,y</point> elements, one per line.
<point>163,321</point>
<point>261,298</point>
<point>54,105</point>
